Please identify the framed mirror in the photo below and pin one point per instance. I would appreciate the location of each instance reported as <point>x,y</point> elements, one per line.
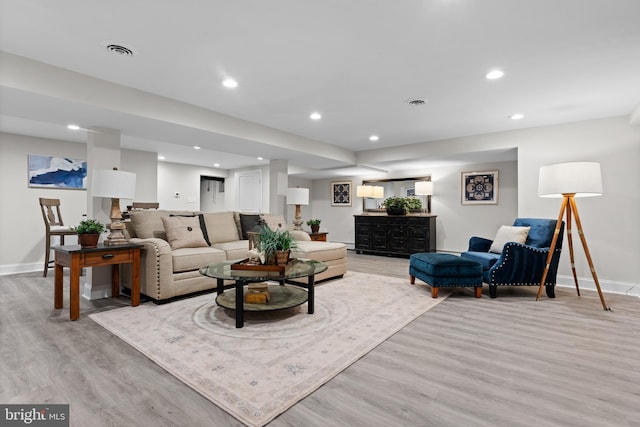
<point>395,187</point>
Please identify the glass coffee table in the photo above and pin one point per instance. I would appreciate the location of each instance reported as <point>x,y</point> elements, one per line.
<point>286,297</point>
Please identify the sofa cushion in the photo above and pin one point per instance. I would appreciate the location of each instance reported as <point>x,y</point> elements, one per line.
<point>508,233</point>
<point>221,227</point>
<point>184,232</point>
<point>148,224</point>
<point>486,259</point>
<point>274,222</point>
<point>320,251</point>
<point>188,259</point>
<point>234,250</point>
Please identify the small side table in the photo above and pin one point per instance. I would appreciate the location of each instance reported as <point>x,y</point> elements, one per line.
<point>319,237</point>
<point>76,257</point>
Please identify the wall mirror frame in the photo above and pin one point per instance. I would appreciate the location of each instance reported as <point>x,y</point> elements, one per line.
<point>398,187</point>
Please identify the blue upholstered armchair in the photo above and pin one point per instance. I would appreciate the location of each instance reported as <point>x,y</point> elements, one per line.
<point>519,264</point>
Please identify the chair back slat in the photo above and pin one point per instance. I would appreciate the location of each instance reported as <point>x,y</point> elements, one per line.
<point>51,211</point>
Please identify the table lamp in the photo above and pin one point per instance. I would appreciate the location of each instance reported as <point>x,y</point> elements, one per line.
<point>569,181</point>
<point>425,189</point>
<point>364,192</point>
<point>116,185</point>
<point>297,196</point>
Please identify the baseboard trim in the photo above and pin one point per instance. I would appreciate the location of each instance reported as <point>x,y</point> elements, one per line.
<point>608,286</point>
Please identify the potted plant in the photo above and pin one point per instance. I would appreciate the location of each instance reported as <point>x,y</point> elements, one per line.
<point>414,204</point>
<point>88,232</point>
<point>314,224</point>
<point>276,245</point>
<point>396,205</point>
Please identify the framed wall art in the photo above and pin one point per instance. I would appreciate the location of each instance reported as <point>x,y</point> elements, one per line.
<point>57,172</point>
<point>341,193</point>
<point>480,188</point>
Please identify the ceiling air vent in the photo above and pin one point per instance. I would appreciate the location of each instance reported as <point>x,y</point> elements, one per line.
<point>120,50</point>
<point>416,102</point>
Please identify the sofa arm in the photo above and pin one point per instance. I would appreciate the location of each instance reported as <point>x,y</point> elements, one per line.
<point>300,235</point>
<point>523,265</point>
<point>156,268</point>
<point>479,244</point>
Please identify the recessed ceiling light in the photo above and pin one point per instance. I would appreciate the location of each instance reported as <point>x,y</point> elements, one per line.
<point>315,116</point>
<point>195,147</point>
<point>516,116</point>
<point>494,74</point>
<point>216,165</point>
<point>73,127</point>
<point>374,138</point>
<point>230,83</point>
<point>260,158</point>
<point>161,157</point>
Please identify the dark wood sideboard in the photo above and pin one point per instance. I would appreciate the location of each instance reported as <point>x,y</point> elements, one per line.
<point>400,235</point>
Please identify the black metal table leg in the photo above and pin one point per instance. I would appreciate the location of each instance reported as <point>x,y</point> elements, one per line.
<point>220,286</point>
<point>240,303</point>
<point>311,294</point>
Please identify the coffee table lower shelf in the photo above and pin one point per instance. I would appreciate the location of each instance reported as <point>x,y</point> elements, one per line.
<point>282,297</point>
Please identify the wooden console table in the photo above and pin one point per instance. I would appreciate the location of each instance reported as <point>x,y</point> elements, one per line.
<point>76,257</point>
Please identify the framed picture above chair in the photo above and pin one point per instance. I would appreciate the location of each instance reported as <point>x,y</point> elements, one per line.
<point>479,188</point>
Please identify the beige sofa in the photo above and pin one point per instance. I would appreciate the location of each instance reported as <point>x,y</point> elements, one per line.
<point>171,257</point>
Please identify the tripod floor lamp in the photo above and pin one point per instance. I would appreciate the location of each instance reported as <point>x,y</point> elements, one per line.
<point>569,181</point>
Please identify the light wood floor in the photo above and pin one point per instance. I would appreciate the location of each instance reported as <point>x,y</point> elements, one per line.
<point>509,361</point>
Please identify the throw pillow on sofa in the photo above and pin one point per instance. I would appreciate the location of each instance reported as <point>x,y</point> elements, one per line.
<point>184,232</point>
<point>509,233</point>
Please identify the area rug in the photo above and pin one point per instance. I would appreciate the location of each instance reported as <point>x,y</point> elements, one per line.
<point>257,372</point>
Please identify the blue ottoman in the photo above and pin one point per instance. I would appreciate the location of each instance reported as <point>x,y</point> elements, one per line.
<point>445,271</point>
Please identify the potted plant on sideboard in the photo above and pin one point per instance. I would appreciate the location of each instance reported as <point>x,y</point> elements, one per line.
<point>88,232</point>
<point>396,205</point>
<point>314,224</point>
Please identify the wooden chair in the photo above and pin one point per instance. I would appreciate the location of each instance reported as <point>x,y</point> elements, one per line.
<point>54,227</point>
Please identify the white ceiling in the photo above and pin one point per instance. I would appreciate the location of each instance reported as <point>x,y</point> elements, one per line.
<point>357,62</point>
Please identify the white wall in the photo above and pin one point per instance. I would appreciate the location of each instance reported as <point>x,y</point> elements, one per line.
<point>455,222</point>
<point>22,231</point>
<point>183,181</point>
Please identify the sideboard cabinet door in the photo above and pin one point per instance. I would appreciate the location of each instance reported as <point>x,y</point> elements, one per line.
<point>400,235</point>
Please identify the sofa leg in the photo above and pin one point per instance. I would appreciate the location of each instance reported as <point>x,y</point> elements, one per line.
<point>492,291</point>
<point>551,290</point>
<point>412,279</point>
<point>478,291</point>
<point>434,292</point>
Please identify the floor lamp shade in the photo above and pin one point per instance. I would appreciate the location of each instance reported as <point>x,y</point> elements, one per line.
<point>583,179</point>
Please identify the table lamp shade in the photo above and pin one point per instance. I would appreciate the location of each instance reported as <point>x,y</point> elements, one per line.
<point>424,188</point>
<point>364,191</point>
<point>297,196</point>
<point>115,184</point>
<point>583,179</point>
<point>378,192</point>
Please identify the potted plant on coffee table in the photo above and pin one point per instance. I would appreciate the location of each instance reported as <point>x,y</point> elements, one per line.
<point>276,245</point>
<point>314,224</point>
<point>88,232</point>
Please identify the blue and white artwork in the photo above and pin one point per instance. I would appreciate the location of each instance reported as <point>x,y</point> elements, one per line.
<point>57,172</point>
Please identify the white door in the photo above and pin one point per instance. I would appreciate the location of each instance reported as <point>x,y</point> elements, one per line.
<point>250,191</point>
